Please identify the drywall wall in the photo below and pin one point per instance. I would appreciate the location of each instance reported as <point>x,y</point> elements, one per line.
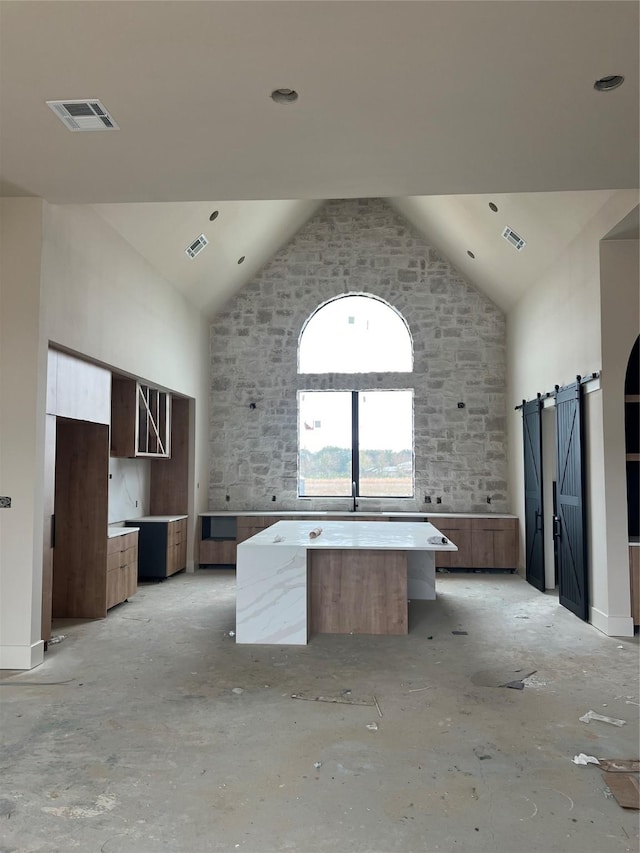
<point>554,334</point>
<point>69,279</point>
<point>459,356</point>
<point>620,312</point>
<point>22,414</point>
<point>105,302</point>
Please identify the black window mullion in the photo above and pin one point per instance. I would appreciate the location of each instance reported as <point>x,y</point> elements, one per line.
<point>355,444</point>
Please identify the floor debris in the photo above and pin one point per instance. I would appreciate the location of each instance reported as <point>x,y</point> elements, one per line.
<point>461,633</point>
<point>591,715</point>
<point>373,727</point>
<point>57,638</point>
<point>334,700</point>
<point>518,684</point>
<point>620,765</point>
<point>625,788</point>
<point>377,707</point>
<point>585,759</point>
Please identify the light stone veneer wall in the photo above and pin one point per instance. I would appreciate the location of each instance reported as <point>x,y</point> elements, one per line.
<point>360,246</point>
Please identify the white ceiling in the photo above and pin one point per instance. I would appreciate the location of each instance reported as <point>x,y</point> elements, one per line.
<point>440,105</point>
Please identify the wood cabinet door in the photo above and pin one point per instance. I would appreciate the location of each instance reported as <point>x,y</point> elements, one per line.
<point>459,532</point>
<point>482,550</point>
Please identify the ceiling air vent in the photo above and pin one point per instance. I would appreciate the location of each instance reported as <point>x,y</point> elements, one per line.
<point>197,246</point>
<point>515,239</point>
<point>83,115</point>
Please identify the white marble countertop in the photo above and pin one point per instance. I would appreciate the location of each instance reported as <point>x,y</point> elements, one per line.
<point>347,514</point>
<point>112,532</point>
<point>159,518</point>
<point>411,536</point>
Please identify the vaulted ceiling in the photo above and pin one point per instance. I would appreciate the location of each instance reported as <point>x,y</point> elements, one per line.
<point>441,106</point>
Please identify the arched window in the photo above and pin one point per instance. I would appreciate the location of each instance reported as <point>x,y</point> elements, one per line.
<point>355,442</point>
<point>355,333</point>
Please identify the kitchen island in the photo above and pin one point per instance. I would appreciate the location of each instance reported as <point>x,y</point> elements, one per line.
<point>351,577</point>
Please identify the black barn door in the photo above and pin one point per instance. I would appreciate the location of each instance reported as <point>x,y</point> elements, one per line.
<point>533,510</point>
<point>570,528</point>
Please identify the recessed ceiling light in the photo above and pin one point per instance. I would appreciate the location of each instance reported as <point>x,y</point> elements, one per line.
<point>284,96</point>
<point>493,207</point>
<point>606,84</point>
<point>471,255</point>
<point>214,215</point>
<point>241,260</point>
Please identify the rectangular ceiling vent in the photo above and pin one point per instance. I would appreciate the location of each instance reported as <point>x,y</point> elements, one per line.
<point>197,246</point>
<point>515,239</point>
<point>83,115</point>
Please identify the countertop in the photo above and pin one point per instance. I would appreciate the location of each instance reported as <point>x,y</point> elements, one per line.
<point>112,532</point>
<point>159,518</point>
<point>347,534</point>
<point>360,512</point>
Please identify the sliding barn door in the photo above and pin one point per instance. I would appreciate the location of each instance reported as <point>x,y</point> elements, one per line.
<point>533,507</point>
<point>570,528</point>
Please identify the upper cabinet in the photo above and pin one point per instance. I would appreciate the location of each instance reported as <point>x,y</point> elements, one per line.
<point>140,419</point>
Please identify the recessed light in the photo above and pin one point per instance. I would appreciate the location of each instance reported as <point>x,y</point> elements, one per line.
<point>214,215</point>
<point>241,260</point>
<point>493,207</point>
<point>471,255</point>
<point>284,96</point>
<point>606,84</point>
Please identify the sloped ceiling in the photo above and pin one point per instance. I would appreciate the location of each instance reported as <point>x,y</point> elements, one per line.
<point>439,105</point>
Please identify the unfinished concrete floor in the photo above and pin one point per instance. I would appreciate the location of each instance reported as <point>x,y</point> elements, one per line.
<point>153,731</point>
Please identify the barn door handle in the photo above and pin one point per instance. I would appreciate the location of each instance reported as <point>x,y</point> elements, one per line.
<point>538,521</point>
<point>556,527</point>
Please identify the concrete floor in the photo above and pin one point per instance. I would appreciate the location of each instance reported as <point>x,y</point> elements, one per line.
<point>131,739</point>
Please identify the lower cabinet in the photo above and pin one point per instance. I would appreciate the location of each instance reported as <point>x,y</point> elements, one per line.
<point>162,545</point>
<point>122,567</point>
<point>483,543</point>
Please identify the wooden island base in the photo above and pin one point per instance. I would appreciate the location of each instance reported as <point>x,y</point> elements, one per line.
<point>358,592</point>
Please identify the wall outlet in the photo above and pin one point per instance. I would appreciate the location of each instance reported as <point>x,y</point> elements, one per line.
<point>427,499</point>
<point>273,497</point>
<point>438,500</point>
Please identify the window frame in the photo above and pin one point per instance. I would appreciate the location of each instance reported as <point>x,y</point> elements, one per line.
<point>355,441</point>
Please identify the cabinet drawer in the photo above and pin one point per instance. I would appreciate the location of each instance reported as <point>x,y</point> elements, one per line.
<point>215,552</point>
<point>113,545</point>
<point>494,523</point>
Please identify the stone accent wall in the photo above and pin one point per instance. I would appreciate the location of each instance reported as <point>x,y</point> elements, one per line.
<point>360,246</point>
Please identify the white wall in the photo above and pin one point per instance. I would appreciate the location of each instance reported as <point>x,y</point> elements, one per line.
<point>22,411</point>
<point>70,279</point>
<point>620,311</point>
<point>553,334</point>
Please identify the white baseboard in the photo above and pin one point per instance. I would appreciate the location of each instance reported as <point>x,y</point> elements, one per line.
<point>612,626</point>
<point>22,657</point>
